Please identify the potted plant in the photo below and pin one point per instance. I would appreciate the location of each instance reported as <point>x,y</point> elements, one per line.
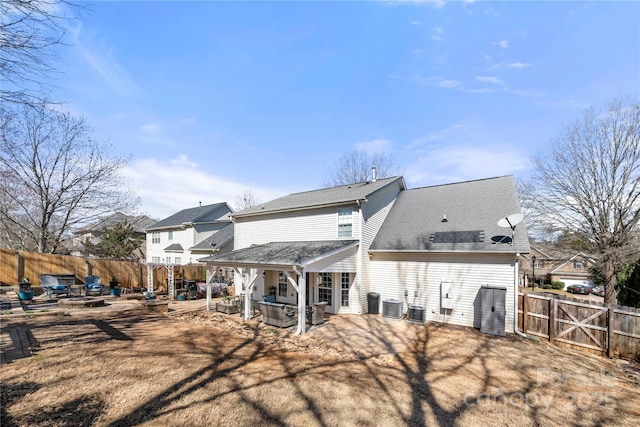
<point>25,293</point>
<point>114,286</point>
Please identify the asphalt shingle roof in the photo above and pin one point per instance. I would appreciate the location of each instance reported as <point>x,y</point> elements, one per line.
<point>174,247</point>
<point>190,215</point>
<point>472,209</point>
<point>216,240</point>
<point>323,197</point>
<point>281,253</point>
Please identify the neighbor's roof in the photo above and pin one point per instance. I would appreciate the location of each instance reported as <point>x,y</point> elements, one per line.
<point>472,208</point>
<point>324,197</point>
<point>216,240</point>
<point>139,223</point>
<point>174,247</point>
<point>206,213</point>
<point>281,253</point>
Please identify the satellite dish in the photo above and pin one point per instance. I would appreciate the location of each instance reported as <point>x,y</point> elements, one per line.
<point>511,221</point>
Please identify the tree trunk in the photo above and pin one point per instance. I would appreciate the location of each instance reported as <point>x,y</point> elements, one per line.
<point>608,270</point>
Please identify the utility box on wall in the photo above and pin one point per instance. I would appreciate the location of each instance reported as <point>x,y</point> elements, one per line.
<point>446,295</point>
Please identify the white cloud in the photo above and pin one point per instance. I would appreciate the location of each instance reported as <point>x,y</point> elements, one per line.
<point>450,84</point>
<point>375,146</point>
<point>447,163</point>
<point>488,79</point>
<point>502,43</point>
<point>416,22</point>
<point>518,64</point>
<point>101,58</point>
<point>463,151</point>
<point>151,128</point>
<point>166,187</point>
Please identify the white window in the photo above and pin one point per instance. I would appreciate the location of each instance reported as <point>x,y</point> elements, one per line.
<point>578,264</point>
<point>178,260</point>
<point>170,235</point>
<point>325,288</point>
<point>345,222</point>
<point>345,283</point>
<point>155,259</point>
<point>155,237</point>
<point>282,285</point>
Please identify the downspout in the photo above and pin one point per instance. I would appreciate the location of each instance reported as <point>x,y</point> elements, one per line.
<point>515,303</point>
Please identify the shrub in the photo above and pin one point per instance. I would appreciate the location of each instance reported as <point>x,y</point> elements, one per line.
<point>557,285</point>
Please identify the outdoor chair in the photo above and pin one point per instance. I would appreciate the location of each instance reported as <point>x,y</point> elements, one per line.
<point>92,285</point>
<point>51,285</point>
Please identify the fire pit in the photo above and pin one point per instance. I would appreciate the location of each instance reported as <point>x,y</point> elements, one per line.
<point>81,302</point>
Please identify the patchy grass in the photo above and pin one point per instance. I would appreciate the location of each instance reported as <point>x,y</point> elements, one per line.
<point>155,370</point>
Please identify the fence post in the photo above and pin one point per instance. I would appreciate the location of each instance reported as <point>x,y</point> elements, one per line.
<point>525,309</point>
<point>610,328</point>
<point>553,312</point>
<point>19,266</point>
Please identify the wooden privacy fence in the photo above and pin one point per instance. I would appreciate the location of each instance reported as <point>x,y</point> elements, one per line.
<point>14,265</point>
<point>588,326</point>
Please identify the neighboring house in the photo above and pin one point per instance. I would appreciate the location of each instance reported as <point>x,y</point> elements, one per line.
<point>190,234</point>
<point>93,231</point>
<point>339,245</point>
<point>556,265</point>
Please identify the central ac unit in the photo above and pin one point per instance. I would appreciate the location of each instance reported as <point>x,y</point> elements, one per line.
<point>416,314</point>
<point>392,308</point>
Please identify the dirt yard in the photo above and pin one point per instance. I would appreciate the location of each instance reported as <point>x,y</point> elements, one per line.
<point>202,369</point>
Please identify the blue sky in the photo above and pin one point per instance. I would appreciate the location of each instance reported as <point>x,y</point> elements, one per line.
<point>214,98</point>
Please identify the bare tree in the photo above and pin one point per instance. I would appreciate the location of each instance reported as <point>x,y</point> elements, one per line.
<point>30,31</point>
<point>55,177</point>
<point>356,166</point>
<point>588,183</point>
<point>247,199</point>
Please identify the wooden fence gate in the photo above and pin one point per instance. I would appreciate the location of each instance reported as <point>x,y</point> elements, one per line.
<point>596,328</point>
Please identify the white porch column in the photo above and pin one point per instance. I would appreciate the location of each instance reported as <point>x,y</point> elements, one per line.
<point>208,286</point>
<point>301,288</point>
<point>248,290</point>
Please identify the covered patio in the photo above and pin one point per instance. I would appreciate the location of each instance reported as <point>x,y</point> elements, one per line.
<point>291,263</point>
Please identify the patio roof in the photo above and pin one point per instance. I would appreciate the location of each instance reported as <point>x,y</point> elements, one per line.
<point>282,255</point>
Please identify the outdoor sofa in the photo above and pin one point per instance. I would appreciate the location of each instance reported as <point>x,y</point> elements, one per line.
<point>276,314</point>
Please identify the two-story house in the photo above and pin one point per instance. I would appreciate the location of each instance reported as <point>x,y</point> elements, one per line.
<point>94,231</point>
<point>339,245</point>
<point>550,263</point>
<point>190,234</point>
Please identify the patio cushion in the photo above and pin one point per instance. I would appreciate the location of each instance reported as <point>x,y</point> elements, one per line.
<point>58,287</point>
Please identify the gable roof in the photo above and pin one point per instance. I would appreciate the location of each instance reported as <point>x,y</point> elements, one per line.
<point>472,208</point>
<point>198,214</point>
<point>579,255</point>
<point>216,240</point>
<point>341,195</point>
<point>281,254</point>
<point>139,223</point>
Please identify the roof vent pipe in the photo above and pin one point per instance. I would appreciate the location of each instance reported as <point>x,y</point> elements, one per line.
<point>373,174</point>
